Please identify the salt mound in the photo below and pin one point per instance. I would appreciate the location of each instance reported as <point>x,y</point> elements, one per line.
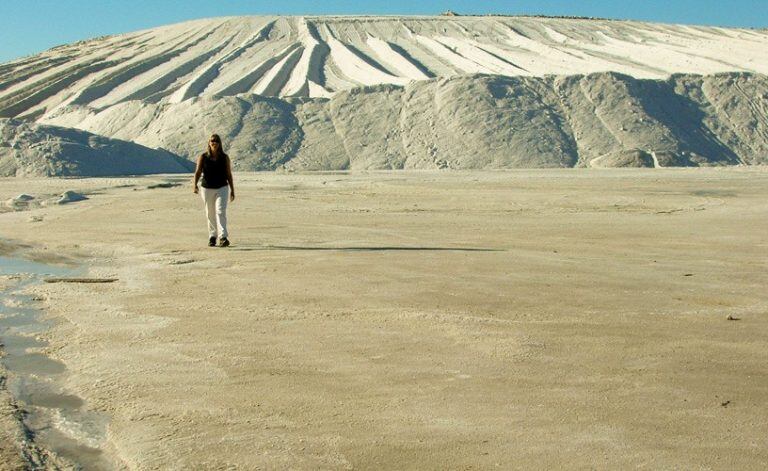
<point>629,158</point>
<point>465,122</point>
<point>328,93</point>
<point>19,202</point>
<point>70,196</point>
<point>29,149</point>
<point>324,55</point>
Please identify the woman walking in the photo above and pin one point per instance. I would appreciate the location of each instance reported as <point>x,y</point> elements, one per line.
<point>215,169</point>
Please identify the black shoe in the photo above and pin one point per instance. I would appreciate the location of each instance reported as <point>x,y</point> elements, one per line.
<point>223,242</point>
<point>212,242</point>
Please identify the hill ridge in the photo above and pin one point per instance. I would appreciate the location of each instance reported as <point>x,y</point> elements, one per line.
<point>329,92</point>
<point>346,52</point>
<point>475,121</point>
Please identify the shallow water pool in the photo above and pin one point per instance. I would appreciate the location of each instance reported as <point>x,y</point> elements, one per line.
<point>55,419</point>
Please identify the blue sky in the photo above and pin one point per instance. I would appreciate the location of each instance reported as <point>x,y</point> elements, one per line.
<point>31,26</point>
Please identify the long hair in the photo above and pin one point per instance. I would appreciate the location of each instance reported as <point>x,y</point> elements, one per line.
<point>220,151</point>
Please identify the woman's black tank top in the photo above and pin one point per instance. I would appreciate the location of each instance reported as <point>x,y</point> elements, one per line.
<point>214,171</point>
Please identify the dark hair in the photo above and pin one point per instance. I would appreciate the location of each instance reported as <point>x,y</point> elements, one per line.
<point>220,150</point>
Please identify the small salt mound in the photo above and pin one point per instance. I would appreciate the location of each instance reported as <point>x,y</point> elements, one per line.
<point>70,196</point>
<point>45,151</point>
<point>625,158</point>
<point>21,201</point>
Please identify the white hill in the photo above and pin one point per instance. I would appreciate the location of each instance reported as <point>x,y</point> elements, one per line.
<point>33,150</point>
<point>413,92</point>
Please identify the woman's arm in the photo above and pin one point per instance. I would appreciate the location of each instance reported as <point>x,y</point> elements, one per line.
<point>198,172</point>
<point>230,180</point>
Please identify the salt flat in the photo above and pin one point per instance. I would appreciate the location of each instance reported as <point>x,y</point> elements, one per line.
<point>417,320</point>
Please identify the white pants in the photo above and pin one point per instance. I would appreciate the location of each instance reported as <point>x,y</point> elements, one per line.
<point>216,209</point>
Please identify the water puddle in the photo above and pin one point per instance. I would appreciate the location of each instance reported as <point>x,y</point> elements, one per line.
<point>57,420</point>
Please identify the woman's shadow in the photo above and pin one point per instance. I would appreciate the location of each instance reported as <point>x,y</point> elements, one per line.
<point>249,247</point>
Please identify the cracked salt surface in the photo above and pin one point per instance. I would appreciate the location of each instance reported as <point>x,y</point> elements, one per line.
<point>55,419</point>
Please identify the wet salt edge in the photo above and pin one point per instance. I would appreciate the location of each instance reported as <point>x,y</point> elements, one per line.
<point>60,422</point>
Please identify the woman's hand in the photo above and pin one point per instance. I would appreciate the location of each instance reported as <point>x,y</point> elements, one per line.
<point>232,196</point>
<point>194,189</point>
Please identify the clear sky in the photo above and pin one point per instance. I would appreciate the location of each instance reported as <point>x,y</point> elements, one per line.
<point>31,26</point>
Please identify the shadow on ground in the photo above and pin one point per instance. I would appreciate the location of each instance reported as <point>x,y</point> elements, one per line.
<point>249,248</point>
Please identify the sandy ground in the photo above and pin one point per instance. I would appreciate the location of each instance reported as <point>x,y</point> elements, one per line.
<point>424,320</point>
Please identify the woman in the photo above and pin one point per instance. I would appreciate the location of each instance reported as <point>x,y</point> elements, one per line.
<point>215,169</point>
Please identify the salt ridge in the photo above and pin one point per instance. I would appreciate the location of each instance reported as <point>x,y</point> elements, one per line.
<point>320,56</point>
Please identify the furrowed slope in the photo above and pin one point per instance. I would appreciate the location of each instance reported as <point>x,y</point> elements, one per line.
<point>412,92</point>
<point>466,122</point>
<point>320,56</point>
